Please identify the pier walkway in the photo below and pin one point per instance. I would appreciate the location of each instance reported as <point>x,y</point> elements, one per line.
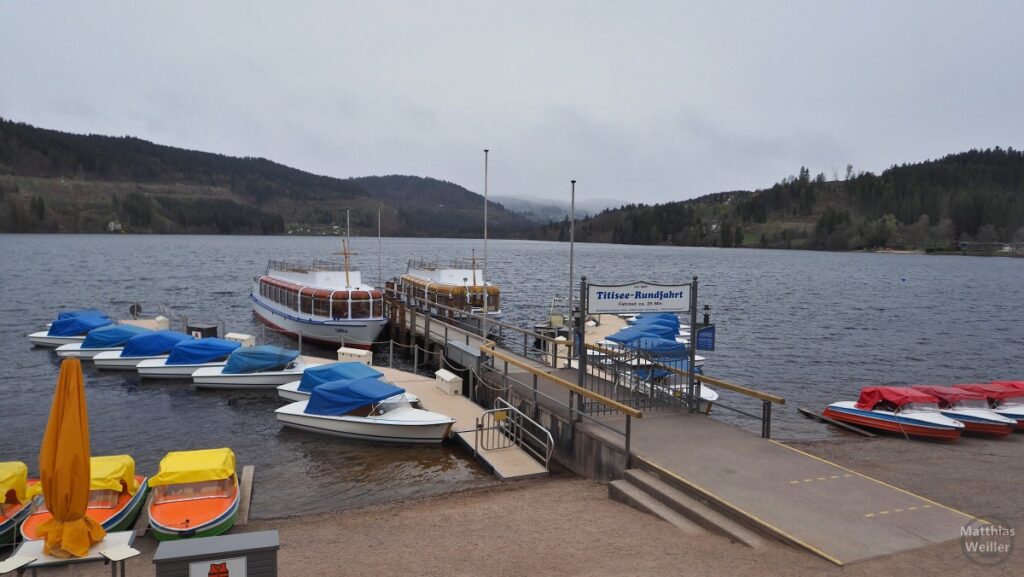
<point>813,504</point>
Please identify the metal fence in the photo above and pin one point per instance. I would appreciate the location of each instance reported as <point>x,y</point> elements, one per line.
<point>505,426</point>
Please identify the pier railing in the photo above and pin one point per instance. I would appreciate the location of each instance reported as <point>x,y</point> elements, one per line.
<point>506,426</point>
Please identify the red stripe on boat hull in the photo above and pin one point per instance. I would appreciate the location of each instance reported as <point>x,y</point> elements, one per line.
<point>894,427</point>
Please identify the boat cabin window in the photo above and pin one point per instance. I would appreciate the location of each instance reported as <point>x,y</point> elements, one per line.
<point>190,491</point>
<point>103,499</point>
<point>972,403</point>
<point>360,308</point>
<point>339,309</point>
<point>920,407</point>
<point>321,307</point>
<point>378,307</point>
<point>306,304</point>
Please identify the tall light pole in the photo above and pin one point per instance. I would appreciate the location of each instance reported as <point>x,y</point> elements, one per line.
<point>572,244</point>
<point>483,327</point>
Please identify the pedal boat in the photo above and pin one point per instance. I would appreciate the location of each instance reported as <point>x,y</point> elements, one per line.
<point>151,345</point>
<point>971,409</point>
<point>366,409</point>
<point>899,410</point>
<point>261,367</point>
<point>1004,400</point>
<point>70,327</point>
<point>314,376</point>
<point>110,338</point>
<point>15,499</point>
<point>187,357</point>
<point>116,496</point>
<point>195,494</point>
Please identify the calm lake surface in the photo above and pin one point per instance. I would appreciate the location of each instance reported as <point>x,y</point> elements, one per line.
<point>811,327</point>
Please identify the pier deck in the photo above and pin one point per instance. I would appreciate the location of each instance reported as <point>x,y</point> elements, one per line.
<point>511,463</point>
<point>809,502</point>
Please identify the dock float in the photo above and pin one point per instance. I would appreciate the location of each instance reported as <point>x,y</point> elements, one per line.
<point>509,463</point>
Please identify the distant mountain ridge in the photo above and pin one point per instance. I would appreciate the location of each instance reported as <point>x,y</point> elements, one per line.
<point>62,182</point>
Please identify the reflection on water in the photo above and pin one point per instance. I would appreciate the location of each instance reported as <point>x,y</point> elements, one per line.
<point>812,327</point>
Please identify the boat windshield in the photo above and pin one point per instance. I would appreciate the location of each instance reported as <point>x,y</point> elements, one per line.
<point>920,407</point>
<point>192,491</point>
<point>1013,401</point>
<point>391,404</point>
<point>103,499</point>
<point>972,403</point>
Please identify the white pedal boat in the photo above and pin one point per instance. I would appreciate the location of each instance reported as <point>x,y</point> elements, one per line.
<point>187,357</point>
<point>365,409</point>
<point>70,327</point>
<point>253,368</point>
<point>151,345</point>
<point>109,338</point>
<point>299,390</point>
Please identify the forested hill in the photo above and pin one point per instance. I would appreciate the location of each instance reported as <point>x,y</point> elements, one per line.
<point>61,182</point>
<point>971,196</point>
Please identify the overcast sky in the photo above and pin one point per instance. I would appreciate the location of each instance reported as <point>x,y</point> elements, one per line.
<point>649,101</point>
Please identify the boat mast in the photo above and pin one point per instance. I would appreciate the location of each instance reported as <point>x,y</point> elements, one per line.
<point>345,253</point>
<point>473,264</point>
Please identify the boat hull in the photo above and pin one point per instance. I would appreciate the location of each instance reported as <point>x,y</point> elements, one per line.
<point>382,430</point>
<point>214,378</point>
<point>222,524</point>
<point>290,392</point>
<point>981,426</point>
<point>120,520</point>
<point>42,339</point>
<point>76,351</point>
<point>900,426</point>
<point>360,333</point>
<point>159,369</point>
<point>10,527</point>
<point>113,361</point>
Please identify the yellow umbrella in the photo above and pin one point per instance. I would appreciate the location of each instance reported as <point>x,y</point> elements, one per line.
<point>64,469</point>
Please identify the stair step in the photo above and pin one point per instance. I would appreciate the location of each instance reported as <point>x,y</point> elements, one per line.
<point>625,492</point>
<point>695,511</point>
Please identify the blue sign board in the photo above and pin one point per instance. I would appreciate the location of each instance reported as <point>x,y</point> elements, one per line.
<point>706,338</point>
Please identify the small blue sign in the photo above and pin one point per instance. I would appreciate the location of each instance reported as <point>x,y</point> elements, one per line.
<point>706,338</point>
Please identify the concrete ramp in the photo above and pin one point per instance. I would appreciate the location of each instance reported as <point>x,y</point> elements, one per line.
<point>806,501</point>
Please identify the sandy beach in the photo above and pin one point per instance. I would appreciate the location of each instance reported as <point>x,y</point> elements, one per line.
<point>564,526</point>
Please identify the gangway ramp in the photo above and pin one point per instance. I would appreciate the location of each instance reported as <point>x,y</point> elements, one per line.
<point>508,463</point>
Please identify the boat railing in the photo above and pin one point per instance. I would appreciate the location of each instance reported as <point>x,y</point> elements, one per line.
<point>293,266</point>
<point>455,263</point>
<point>505,426</point>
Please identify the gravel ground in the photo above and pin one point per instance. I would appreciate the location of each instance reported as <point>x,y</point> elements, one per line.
<point>565,526</point>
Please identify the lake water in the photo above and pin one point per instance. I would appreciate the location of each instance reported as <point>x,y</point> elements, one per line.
<point>811,327</point>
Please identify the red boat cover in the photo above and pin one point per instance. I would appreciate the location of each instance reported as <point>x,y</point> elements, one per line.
<point>949,395</point>
<point>899,396</point>
<point>993,391</point>
<point>1014,384</point>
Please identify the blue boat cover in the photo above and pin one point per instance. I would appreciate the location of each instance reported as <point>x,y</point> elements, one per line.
<point>339,397</point>
<point>255,359</point>
<point>656,373</point>
<point>630,334</point>
<point>661,348</point>
<point>196,352</point>
<point>349,371</point>
<point>153,344</point>
<point>77,325</point>
<point>78,313</point>
<point>111,336</point>
<point>647,317</point>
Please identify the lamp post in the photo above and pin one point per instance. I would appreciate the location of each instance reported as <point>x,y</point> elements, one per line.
<point>483,327</point>
<point>572,244</point>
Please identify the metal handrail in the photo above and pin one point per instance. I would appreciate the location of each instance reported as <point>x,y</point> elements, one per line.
<point>505,426</point>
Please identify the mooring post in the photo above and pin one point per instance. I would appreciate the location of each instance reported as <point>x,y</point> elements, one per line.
<point>391,353</point>
<point>580,346</point>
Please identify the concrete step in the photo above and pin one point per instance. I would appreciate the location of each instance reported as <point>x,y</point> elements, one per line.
<point>692,509</point>
<point>754,525</point>
<point>625,492</point>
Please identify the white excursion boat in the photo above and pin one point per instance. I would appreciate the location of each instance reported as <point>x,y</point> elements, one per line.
<point>70,327</point>
<point>259,367</point>
<point>323,302</point>
<point>187,357</point>
<point>312,377</point>
<point>146,346</point>
<point>459,286</point>
<point>366,409</point>
<point>109,338</point>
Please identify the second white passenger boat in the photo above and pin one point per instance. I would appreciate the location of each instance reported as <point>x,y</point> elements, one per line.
<point>366,409</point>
